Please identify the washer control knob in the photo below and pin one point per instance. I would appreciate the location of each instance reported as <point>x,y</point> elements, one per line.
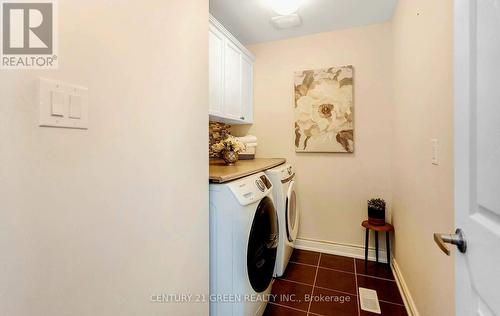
<point>260,185</point>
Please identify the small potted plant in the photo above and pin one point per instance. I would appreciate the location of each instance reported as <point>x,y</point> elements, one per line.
<point>229,149</point>
<point>376,212</point>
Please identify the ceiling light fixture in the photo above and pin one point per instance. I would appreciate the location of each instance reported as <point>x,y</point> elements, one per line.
<point>284,7</point>
<point>286,21</point>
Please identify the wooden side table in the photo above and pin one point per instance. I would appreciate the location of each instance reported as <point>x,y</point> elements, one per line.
<point>387,228</point>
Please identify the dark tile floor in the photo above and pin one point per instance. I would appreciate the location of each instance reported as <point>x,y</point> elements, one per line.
<point>332,282</point>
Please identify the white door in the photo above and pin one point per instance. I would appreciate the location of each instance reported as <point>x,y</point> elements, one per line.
<point>232,82</point>
<point>216,70</point>
<point>477,155</point>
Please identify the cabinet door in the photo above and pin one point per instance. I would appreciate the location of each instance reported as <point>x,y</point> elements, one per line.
<point>216,71</point>
<point>246,89</point>
<point>232,82</point>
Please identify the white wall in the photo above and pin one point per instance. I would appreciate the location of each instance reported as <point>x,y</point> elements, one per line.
<point>94,222</point>
<point>423,109</point>
<point>333,188</point>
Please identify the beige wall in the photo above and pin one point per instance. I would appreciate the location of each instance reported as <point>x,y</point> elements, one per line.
<point>94,222</point>
<point>423,109</point>
<point>333,187</point>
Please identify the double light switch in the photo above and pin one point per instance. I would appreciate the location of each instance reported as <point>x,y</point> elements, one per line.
<point>63,105</point>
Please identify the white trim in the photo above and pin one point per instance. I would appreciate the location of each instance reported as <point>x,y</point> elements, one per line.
<point>231,37</point>
<point>411,308</point>
<point>339,249</point>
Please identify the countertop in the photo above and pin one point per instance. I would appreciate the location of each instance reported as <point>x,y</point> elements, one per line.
<point>219,172</point>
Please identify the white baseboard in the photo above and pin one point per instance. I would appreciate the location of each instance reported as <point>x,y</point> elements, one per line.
<point>411,308</point>
<point>346,250</point>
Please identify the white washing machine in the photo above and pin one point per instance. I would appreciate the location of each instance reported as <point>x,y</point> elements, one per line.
<point>243,245</point>
<point>285,199</point>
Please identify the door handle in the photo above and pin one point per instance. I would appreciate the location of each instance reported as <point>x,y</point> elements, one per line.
<point>457,239</point>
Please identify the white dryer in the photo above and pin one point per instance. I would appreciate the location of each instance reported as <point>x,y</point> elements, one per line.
<point>243,245</point>
<point>285,199</point>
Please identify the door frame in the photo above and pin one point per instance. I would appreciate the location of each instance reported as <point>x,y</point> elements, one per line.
<point>463,95</point>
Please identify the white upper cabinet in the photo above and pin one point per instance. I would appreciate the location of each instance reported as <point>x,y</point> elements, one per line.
<point>232,82</point>
<point>247,89</point>
<point>230,77</point>
<point>215,69</point>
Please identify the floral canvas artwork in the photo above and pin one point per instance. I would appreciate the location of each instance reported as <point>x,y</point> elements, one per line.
<point>324,110</point>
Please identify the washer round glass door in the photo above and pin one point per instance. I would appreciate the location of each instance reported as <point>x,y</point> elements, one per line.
<point>291,213</point>
<point>262,245</point>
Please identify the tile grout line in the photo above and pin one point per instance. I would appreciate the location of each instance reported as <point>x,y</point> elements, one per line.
<point>332,290</point>
<point>297,282</point>
<point>304,264</point>
<point>326,268</point>
<point>387,302</point>
<point>289,307</point>
<point>314,283</point>
<point>375,277</point>
<point>338,270</point>
<point>357,289</point>
<point>320,287</point>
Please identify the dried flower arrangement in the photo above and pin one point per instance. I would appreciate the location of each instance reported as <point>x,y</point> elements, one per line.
<point>229,149</point>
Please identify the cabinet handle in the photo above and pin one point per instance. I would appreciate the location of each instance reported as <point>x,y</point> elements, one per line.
<point>242,117</point>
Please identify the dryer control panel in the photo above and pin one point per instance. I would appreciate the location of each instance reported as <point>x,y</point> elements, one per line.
<point>251,189</point>
<point>284,172</point>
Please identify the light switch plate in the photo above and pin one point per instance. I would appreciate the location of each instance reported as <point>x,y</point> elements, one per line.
<point>63,105</point>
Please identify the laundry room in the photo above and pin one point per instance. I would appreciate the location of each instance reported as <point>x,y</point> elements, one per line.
<point>249,157</point>
<point>303,93</point>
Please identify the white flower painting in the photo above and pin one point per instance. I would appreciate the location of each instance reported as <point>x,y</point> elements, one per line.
<point>324,110</point>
